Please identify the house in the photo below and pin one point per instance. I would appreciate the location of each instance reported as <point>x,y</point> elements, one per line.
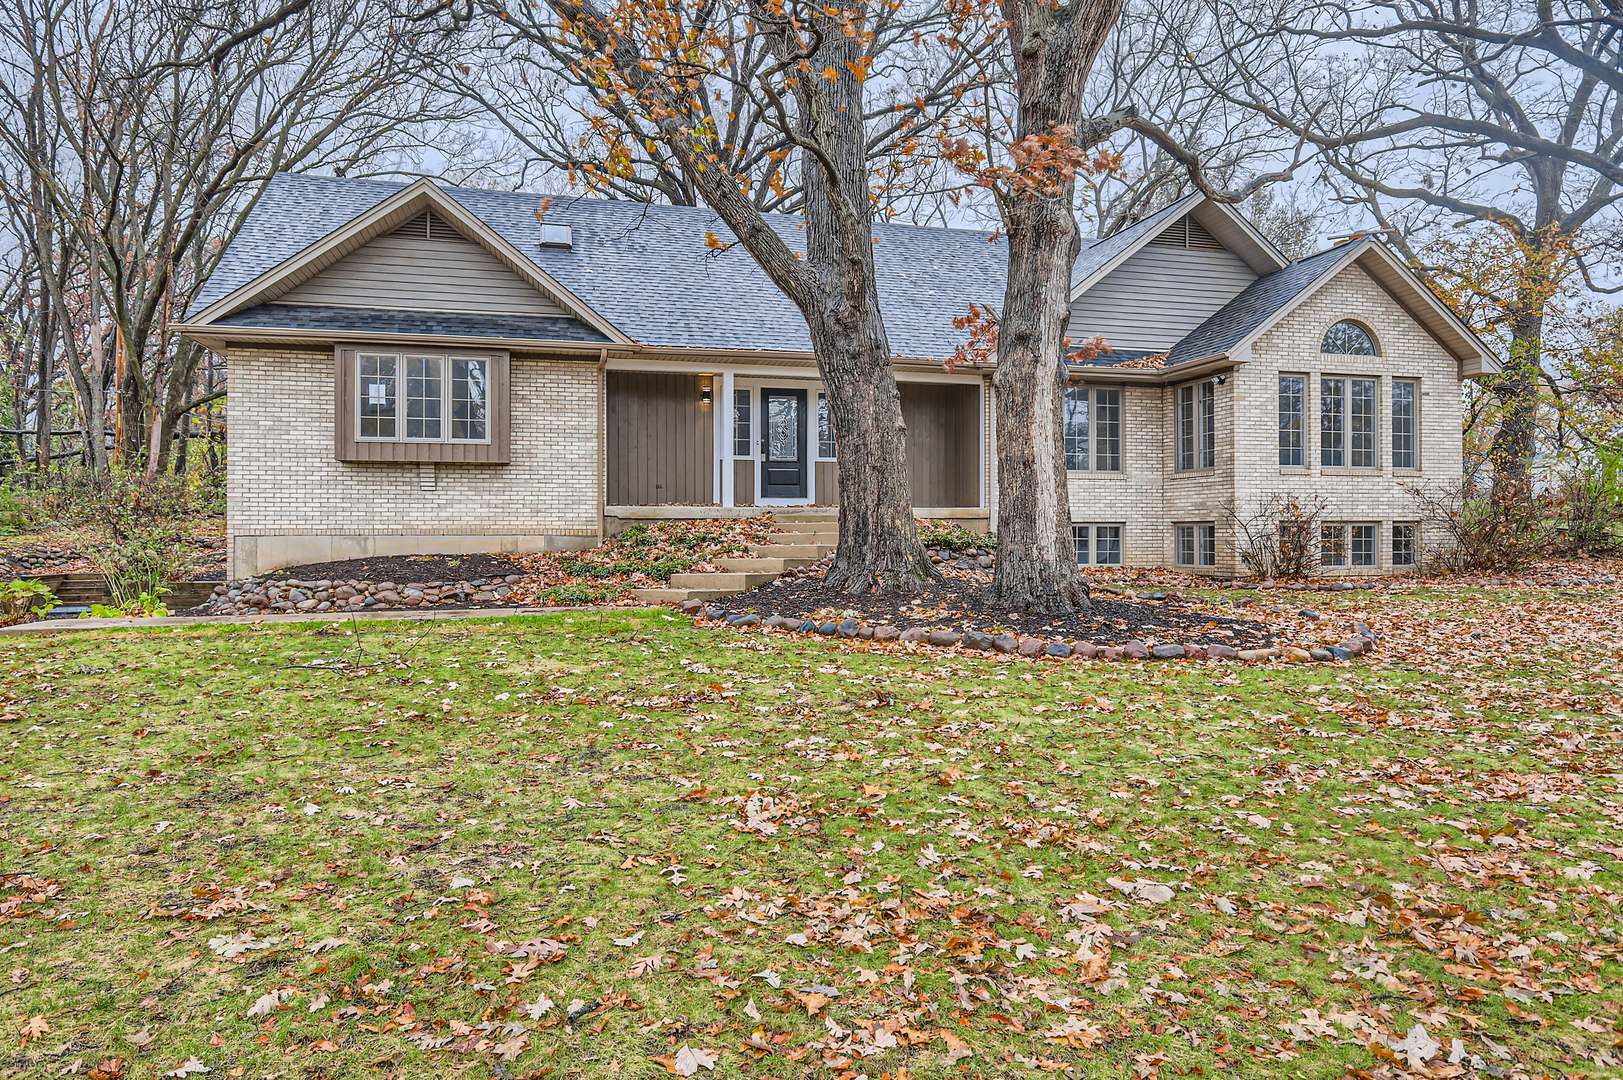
<point>421,369</point>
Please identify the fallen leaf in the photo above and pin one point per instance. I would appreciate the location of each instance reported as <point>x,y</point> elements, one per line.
<point>689,1061</point>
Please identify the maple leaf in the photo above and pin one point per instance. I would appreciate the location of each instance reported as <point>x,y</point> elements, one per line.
<point>957,1049</point>
<point>538,1008</point>
<point>1417,1048</point>
<point>831,73</point>
<point>644,965</point>
<point>812,1000</point>
<point>264,1005</point>
<point>688,1061</point>
<point>34,1028</point>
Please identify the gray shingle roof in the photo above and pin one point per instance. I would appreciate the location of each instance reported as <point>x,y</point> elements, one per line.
<point>382,321</point>
<point>1232,322</point>
<point>647,269</point>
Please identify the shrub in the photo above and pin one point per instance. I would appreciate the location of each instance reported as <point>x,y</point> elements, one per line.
<point>1462,532</point>
<point>20,599</point>
<point>1278,537</point>
<point>1586,505</point>
<point>578,592</point>
<point>954,537</point>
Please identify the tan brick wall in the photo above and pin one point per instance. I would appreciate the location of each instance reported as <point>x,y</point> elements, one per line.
<point>284,483</point>
<point>1133,497</point>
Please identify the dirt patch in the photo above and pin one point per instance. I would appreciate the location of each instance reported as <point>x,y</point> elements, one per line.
<point>401,569</point>
<point>958,602</point>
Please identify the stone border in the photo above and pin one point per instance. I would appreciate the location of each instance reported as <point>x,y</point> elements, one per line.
<point>1033,647</point>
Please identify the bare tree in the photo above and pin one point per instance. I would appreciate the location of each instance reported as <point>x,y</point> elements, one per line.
<point>1505,116</point>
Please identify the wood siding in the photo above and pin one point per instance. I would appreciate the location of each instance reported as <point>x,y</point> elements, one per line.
<point>943,443</point>
<point>403,273</point>
<point>1156,297</point>
<point>661,440</point>
<point>495,452</point>
<point>743,482</point>
<point>828,483</point>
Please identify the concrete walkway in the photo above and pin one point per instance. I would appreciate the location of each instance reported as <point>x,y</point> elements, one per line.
<point>57,626</point>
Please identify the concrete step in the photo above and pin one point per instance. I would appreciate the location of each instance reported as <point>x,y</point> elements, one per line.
<point>760,566</point>
<point>785,516</point>
<point>808,534</point>
<point>675,596</point>
<point>809,552</point>
<point>737,582</point>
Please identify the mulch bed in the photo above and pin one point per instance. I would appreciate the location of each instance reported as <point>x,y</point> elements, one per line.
<point>959,603</point>
<point>403,568</point>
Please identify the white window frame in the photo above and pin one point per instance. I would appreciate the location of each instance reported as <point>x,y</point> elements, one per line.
<point>1201,399</point>
<point>1413,541</point>
<point>1092,454</point>
<point>824,409</point>
<point>1414,424</point>
<point>1201,540</point>
<point>1300,416</point>
<point>446,359</point>
<point>1085,539</point>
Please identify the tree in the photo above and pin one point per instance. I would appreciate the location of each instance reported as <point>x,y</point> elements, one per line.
<point>1505,115</point>
<point>652,72</point>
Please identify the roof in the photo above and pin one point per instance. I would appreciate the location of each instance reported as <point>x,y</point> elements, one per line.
<point>1256,305</point>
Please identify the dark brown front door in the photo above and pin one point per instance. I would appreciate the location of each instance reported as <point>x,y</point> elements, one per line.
<point>783,444</point>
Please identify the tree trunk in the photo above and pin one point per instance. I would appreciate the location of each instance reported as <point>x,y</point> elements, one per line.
<point>46,374</point>
<point>1036,558</point>
<point>1054,47</point>
<point>1514,441</point>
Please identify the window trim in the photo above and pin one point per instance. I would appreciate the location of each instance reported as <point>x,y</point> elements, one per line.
<point>824,411</point>
<point>1368,331</point>
<point>347,446</point>
<point>1300,416</point>
<point>1413,542</point>
<point>1202,402</point>
<point>1202,538</point>
<point>1414,424</point>
<point>1094,441</point>
<point>1092,542</point>
<point>1344,532</point>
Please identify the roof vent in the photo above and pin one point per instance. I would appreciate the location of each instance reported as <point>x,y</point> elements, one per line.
<point>1186,232</point>
<point>557,236</point>
<point>428,226</point>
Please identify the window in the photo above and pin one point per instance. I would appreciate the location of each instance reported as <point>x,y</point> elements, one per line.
<point>1292,419</point>
<point>1333,545</point>
<point>1106,546</point>
<point>1197,416</point>
<point>1403,425</point>
<point>429,397</point>
<point>1092,429</point>
<point>1363,545</point>
<point>741,424</point>
<point>1332,423</point>
<point>1403,545</point>
<point>1197,545</point>
<point>1076,428</point>
<point>1348,339</point>
<point>1363,423</point>
<point>825,428</point>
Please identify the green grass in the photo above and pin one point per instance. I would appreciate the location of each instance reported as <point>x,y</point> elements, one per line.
<point>308,851</point>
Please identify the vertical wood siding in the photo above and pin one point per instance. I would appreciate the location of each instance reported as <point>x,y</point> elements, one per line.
<point>943,443</point>
<point>828,483</point>
<point>661,440</point>
<point>744,482</point>
<point>406,273</point>
<point>1157,296</point>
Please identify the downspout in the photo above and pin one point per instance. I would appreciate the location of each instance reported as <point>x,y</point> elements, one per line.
<point>602,440</point>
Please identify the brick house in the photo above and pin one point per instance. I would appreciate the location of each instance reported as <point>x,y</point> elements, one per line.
<point>418,369</point>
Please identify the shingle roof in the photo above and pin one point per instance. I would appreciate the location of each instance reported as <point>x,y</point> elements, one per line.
<point>1232,322</point>
<point>647,269</point>
<point>388,321</point>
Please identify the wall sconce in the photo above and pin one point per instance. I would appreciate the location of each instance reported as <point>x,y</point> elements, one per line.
<point>1221,379</point>
<point>704,392</point>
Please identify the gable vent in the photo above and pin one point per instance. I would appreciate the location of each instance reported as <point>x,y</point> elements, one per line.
<point>427,226</point>
<point>1186,232</point>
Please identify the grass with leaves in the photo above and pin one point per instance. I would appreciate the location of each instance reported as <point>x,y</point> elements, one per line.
<point>605,845</point>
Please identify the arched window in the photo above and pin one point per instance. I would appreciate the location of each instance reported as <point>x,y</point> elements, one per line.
<point>1348,339</point>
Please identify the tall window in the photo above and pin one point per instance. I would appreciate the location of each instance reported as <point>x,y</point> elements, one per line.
<point>1363,423</point>
<point>1403,544</point>
<point>1076,428</point>
<point>825,428</point>
<point>1097,544</point>
<point>741,424</point>
<point>1332,422</point>
<point>1363,545</point>
<point>1197,423</point>
<point>409,398</point>
<point>1292,419</point>
<point>1403,425</point>
<point>1348,339</point>
<point>1197,545</point>
<point>1092,429</point>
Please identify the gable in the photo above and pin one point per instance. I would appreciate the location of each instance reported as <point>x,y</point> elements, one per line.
<point>424,265</point>
<point>1172,284</point>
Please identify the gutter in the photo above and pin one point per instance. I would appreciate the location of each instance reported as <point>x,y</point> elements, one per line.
<point>210,337</point>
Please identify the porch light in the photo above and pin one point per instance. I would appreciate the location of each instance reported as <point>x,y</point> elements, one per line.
<point>704,391</point>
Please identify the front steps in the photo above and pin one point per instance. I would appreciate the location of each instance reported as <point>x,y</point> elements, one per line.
<point>807,537</point>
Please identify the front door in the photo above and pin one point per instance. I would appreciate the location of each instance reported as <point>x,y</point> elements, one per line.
<point>783,444</point>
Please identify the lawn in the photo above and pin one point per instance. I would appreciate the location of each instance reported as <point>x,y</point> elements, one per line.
<point>614,844</point>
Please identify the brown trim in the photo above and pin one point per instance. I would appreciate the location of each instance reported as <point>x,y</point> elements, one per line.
<point>348,448</point>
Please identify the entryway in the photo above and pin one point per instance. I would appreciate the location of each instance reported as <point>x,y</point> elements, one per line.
<point>783,443</point>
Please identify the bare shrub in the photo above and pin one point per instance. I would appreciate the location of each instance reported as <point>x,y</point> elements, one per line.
<point>1461,532</point>
<point>1586,506</point>
<point>1278,535</point>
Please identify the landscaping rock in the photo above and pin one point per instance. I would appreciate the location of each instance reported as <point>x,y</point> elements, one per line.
<point>1167,652</point>
<point>1294,655</point>
<point>807,627</point>
<point>1005,643</point>
<point>714,614</point>
<point>915,633</point>
<point>1220,652</point>
<point>1363,629</point>
<point>773,621</point>
<point>1338,652</point>
<point>849,627</point>
<point>1136,650</point>
<point>1321,655</point>
<point>978,641</point>
<point>1031,646</point>
<point>1057,649</point>
<point>984,562</point>
<point>746,620</point>
<point>1110,652</point>
<point>1309,613</point>
<point>1355,646</point>
<point>1087,650</point>
<point>1258,654</point>
<point>686,607</point>
<point>829,629</point>
<point>944,637</point>
<point>1194,652</point>
<point>865,632</point>
<point>886,633</point>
